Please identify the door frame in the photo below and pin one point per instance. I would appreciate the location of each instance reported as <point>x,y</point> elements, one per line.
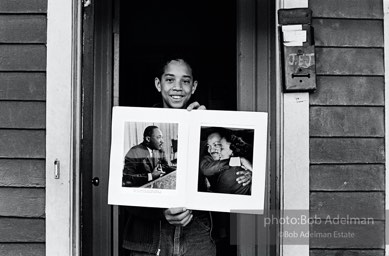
<point>97,76</point>
<point>63,119</point>
<point>249,98</point>
<point>294,161</point>
<point>255,92</point>
<point>64,127</point>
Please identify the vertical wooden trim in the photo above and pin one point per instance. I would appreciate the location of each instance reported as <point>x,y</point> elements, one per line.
<point>279,139</point>
<point>386,59</point>
<point>61,134</point>
<point>76,126</point>
<point>295,155</point>
<point>246,47</point>
<point>296,165</point>
<point>246,100</point>
<point>254,66</point>
<point>86,166</point>
<point>101,130</point>
<point>116,69</point>
<point>116,52</point>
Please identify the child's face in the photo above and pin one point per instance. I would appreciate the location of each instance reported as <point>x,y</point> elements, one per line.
<point>176,84</point>
<point>225,151</point>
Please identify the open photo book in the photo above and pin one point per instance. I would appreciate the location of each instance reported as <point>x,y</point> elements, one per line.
<point>200,159</point>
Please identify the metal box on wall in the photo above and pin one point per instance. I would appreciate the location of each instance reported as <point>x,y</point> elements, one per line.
<point>298,50</point>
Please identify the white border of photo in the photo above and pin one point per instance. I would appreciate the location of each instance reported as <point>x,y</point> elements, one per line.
<point>148,197</point>
<point>253,203</point>
<point>189,126</point>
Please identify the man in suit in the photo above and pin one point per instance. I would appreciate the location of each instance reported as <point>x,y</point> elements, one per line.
<point>145,162</point>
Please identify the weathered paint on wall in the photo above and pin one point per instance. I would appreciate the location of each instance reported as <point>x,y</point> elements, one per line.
<point>22,126</point>
<point>347,150</point>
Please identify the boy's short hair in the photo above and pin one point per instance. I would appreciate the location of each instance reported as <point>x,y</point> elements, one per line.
<point>167,58</point>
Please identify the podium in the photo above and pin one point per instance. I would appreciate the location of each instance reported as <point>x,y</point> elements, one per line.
<point>165,182</point>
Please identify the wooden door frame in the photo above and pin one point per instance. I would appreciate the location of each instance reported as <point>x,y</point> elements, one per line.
<point>97,80</point>
<point>256,55</point>
<point>294,160</point>
<point>63,127</point>
<point>86,156</point>
<point>250,97</point>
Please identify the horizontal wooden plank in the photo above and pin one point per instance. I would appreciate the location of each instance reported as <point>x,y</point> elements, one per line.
<point>347,8</point>
<point>22,86</point>
<point>22,173</point>
<point>346,253</point>
<point>352,33</point>
<point>23,29</point>
<point>346,121</point>
<point>36,249</point>
<point>22,202</point>
<point>22,6</point>
<point>14,114</point>
<point>325,205</point>
<point>347,177</point>
<point>22,143</point>
<point>346,150</point>
<point>22,57</point>
<point>354,90</point>
<point>349,61</point>
<point>22,230</point>
<point>331,235</point>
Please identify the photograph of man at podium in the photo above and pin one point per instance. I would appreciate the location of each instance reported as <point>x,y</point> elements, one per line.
<point>145,164</point>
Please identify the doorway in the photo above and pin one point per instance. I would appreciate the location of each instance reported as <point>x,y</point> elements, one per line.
<point>123,42</point>
<point>201,31</point>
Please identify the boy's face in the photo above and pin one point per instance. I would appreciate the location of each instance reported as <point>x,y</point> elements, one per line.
<point>176,84</point>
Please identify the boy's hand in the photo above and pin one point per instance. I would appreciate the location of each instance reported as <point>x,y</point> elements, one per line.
<point>196,105</point>
<point>179,216</point>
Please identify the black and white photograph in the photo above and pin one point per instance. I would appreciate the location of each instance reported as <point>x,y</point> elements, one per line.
<point>226,157</point>
<point>151,155</point>
<point>198,159</point>
<point>195,127</point>
<point>147,163</point>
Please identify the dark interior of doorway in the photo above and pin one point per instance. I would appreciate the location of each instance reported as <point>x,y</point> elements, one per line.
<point>202,30</point>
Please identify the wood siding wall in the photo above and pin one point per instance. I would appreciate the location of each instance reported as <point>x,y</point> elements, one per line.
<point>347,150</point>
<point>22,126</point>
